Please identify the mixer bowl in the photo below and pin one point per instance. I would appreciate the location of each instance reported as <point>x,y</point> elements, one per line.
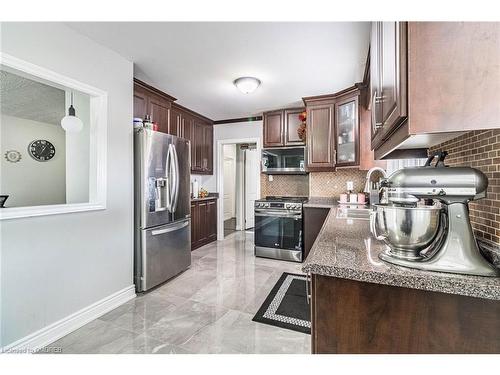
<point>406,230</point>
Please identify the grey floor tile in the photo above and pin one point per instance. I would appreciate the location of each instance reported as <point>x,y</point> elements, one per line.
<point>235,332</point>
<point>184,321</point>
<point>206,309</point>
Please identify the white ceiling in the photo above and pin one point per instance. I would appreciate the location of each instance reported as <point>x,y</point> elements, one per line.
<point>24,98</point>
<point>197,62</point>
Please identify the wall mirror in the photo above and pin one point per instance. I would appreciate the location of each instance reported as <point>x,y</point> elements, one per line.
<point>52,142</point>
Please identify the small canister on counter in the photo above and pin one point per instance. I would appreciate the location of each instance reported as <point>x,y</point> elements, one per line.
<point>353,198</point>
<point>362,198</point>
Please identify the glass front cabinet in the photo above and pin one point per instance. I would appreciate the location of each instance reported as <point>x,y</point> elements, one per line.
<point>347,131</point>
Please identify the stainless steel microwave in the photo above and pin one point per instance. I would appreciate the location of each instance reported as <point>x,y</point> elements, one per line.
<point>284,160</point>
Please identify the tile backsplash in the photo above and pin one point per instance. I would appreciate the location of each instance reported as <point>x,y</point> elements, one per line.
<point>315,184</point>
<point>480,149</point>
<point>332,184</point>
<point>295,185</point>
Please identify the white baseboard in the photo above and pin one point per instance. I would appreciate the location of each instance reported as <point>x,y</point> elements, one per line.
<point>55,331</point>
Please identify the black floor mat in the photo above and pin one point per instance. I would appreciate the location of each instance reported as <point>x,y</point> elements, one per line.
<point>286,305</point>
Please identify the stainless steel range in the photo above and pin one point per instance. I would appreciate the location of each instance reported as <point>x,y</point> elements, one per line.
<point>278,228</point>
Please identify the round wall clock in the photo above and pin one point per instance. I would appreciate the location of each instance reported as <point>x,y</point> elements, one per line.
<point>41,150</point>
<point>13,156</point>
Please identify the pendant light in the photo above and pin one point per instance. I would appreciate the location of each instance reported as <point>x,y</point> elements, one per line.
<point>247,85</point>
<point>71,123</point>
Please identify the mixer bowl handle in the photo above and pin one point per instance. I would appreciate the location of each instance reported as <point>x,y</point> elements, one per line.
<point>373,227</point>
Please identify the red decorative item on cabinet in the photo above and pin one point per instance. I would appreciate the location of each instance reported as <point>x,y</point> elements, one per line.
<point>301,131</point>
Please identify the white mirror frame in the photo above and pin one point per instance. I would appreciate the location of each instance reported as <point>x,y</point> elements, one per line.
<point>98,143</point>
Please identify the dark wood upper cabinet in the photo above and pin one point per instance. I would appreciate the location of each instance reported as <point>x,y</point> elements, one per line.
<point>274,134</point>
<point>347,130</point>
<point>177,120</point>
<point>388,77</point>
<point>198,146</point>
<point>428,84</point>
<point>159,110</point>
<point>280,128</point>
<point>149,101</point>
<point>140,102</point>
<point>320,133</point>
<point>207,159</point>
<point>291,126</point>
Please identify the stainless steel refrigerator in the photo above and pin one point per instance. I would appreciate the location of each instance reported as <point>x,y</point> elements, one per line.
<point>162,207</point>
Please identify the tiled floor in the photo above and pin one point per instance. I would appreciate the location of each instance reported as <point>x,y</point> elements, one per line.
<point>207,309</point>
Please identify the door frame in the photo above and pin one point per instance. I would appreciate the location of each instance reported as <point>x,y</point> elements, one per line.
<point>220,177</point>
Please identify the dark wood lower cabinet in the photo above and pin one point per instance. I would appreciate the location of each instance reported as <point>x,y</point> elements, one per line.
<point>314,218</point>
<point>203,222</point>
<point>357,317</point>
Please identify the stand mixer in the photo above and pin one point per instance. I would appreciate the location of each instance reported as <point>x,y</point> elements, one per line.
<point>436,236</point>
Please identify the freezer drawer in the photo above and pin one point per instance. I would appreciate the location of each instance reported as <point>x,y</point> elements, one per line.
<point>161,253</point>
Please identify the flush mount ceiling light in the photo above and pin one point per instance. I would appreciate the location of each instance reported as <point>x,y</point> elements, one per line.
<point>71,123</point>
<point>247,85</point>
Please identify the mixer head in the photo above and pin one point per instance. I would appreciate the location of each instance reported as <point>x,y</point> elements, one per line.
<point>447,184</point>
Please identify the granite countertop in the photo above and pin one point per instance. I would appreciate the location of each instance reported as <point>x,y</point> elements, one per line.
<point>346,249</point>
<point>211,196</point>
<point>320,202</point>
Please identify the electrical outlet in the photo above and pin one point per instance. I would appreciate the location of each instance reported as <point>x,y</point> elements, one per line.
<point>270,177</point>
<point>350,185</point>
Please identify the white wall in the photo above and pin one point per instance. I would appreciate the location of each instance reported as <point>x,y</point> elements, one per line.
<point>237,130</point>
<point>30,182</point>
<point>53,266</point>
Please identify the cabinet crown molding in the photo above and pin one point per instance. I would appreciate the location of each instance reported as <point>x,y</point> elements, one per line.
<point>333,97</point>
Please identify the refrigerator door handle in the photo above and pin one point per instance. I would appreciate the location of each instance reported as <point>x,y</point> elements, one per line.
<point>171,174</point>
<point>176,178</point>
<point>170,229</point>
<point>168,171</point>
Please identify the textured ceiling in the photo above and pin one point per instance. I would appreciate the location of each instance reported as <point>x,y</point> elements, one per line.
<point>28,99</point>
<point>197,62</point>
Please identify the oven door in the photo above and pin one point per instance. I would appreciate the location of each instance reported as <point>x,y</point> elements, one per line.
<point>278,229</point>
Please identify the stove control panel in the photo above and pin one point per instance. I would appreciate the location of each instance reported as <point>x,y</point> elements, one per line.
<point>279,205</point>
<point>262,205</point>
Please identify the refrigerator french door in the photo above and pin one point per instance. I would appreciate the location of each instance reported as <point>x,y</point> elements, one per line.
<point>162,207</point>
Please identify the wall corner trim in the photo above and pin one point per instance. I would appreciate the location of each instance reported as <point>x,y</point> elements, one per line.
<point>56,330</point>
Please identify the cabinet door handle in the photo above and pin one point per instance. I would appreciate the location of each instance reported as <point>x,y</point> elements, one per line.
<point>376,125</point>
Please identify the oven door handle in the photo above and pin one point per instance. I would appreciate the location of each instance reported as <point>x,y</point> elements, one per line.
<point>279,214</point>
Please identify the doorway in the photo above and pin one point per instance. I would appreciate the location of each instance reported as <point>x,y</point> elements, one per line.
<point>238,180</point>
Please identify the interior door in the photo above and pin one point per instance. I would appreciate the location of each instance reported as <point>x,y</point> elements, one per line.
<point>229,188</point>
<point>252,181</point>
